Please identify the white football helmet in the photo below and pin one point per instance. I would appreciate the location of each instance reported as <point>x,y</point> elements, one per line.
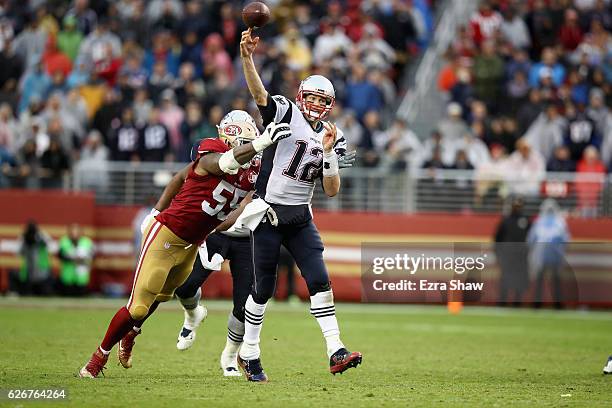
<point>316,85</point>
<point>237,128</point>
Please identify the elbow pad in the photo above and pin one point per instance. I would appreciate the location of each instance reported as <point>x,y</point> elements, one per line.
<point>228,164</point>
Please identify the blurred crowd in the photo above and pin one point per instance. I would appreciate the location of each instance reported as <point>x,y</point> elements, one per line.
<point>85,82</point>
<point>529,85</point>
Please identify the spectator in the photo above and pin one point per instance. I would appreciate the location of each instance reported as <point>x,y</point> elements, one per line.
<point>29,45</point>
<point>123,142</point>
<point>447,78</point>
<point>161,51</point>
<point>86,18</point>
<point>35,83</point>
<point>35,265</point>
<point>435,162</point>
<point>329,43</point>
<point>7,166</point>
<point>93,164</point>
<point>192,128</point>
<point>570,34</point>
<point>172,116</point>
<point>76,253</point>
<point>296,48</point>
<point>371,127</point>
<point>216,58</point>
<point>108,65</point>
<point>548,239</point>
<point>142,107</point>
<point>530,110</point>
<point>191,51</point>
<point>159,80</point>
<point>155,139</point>
<point>461,161</point>
<point>134,22</point>
<point>484,23</point>
<point>12,68</point>
<point>373,51</point>
<point>541,26</point>
<point>528,170</point>
<point>8,129</point>
<point>463,92</point>
<point>95,47</point>
<point>400,146</point>
<point>581,132</point>
<point>164,13</point>
<point>361,95</point>
<point>54,164</point>
<point>28,166</point>
<point>547,132</point>
<point>488,74</point>
<point>561,160</point>
<point>453,127</point>
<point>547,66</point>
<point>588,184</point>
<point>188,85</point>
<point>511,253</point>
<point>69,39</point>
<point>598,112</point>
<point>514,29</point>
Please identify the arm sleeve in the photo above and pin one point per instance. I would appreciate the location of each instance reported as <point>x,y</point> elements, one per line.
<point>275,110</point>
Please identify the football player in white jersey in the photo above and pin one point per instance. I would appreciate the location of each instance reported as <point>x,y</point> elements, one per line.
<point>286,182</point>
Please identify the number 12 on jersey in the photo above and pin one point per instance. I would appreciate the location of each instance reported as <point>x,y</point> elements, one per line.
<point>311,169</point>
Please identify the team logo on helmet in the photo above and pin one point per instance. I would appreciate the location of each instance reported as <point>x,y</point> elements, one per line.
<point>232,130</point>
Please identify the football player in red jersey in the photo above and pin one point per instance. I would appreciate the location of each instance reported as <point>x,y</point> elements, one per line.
<point>211,187</point>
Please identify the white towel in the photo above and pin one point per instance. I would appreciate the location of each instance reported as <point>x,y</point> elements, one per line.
<point>251,216</point>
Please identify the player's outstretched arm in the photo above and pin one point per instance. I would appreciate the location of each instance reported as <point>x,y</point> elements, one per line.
<point>331,175</point>
<point>230,161</point>
<point>172,189</point>
<point>256,87</point>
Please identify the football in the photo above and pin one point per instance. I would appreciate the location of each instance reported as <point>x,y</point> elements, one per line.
<point>255,14</point>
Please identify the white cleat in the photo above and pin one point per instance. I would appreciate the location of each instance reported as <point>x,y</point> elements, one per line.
<point>192,321</point>
<point>608,368</point>
<point>229,364</point>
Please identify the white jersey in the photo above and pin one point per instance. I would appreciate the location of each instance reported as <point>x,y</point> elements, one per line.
<point>290,168</point>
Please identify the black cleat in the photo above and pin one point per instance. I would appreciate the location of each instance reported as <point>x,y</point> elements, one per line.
<point>253,370</point>
<point>342,360</point>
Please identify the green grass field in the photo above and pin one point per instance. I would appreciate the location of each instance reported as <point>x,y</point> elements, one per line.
<point>413,356</point>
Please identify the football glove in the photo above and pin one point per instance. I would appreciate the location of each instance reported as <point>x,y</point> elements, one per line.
<point>347,159</point>
<point>147,220</point>
<point>272,134</point>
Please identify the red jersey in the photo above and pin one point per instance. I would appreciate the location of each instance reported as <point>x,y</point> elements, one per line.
<point>204,201</point>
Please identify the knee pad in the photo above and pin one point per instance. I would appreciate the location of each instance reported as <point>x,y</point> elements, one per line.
<point>138,312</point>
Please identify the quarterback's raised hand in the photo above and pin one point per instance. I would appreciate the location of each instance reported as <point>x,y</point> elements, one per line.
<point>247,43</point>
<point>272,134</point>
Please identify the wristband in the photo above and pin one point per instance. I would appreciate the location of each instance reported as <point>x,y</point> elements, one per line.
<point>228,163</point>
<point>330,164</point>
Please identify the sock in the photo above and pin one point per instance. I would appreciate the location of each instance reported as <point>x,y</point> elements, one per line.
<point>119,326</point>
<point>139,323</point>
<point>323,309</point>
<point>191,302</point>
<point>106,353</point>
<point>253,319</point>
<point>235,334</point>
